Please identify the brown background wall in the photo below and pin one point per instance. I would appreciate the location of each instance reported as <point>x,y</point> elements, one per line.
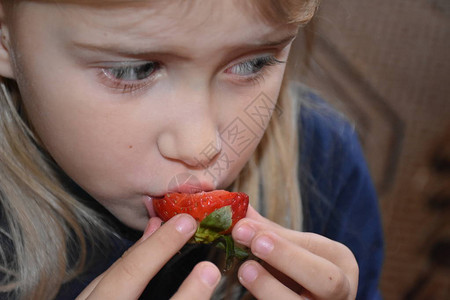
<point>387,64</point>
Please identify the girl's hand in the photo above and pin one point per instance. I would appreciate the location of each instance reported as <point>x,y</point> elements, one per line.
<point>295,265</point>
<point>130,274</point>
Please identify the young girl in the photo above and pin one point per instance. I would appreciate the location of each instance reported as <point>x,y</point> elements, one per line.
<point>108,104</point>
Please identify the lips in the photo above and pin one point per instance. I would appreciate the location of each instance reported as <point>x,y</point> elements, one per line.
<point>185,188</point>
<point>181,183</point>
<point>188,183</point>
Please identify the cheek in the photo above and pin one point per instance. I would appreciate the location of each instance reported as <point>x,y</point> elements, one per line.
<point>97,142</point>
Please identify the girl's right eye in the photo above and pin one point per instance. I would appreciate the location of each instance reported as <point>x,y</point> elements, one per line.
<point>130,77</point>
<point>132,72</point>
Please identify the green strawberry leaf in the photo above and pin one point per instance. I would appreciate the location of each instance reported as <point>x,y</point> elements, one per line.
<point>219,220</point>
<point>209,231</point>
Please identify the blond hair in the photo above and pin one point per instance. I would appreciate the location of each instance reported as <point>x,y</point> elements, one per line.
<point>47,227</point>
<point>271,175</point>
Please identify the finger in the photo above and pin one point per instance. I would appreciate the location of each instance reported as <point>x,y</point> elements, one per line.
<point>88,290</point>
<point>262,284</point>
<point>255,215</point>
<point>246,228</point>
<point>322,278</point>
<point>200,284</point>
<point>129,275</point>
<point>339,254</point>
<point>153,224</point>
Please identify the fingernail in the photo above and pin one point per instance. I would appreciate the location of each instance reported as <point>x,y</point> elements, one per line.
<point>209,275</point>
<point>262,246</point>
<point>244,234</point>
<point>248,273</point>
<point>184,225</point>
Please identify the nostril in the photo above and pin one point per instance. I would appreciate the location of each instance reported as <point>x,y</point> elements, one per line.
<point>210,152</point>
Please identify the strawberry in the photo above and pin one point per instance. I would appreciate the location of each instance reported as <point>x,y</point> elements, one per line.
<point>217,212</point>
<point>201,205</point>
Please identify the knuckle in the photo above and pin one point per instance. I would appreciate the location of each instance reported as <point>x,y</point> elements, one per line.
<point>128,269</point>
<point>338,285</point>
<point>353,267</point>
<point>348,259</point>
<point>343,250</point>
<point>309,242</point>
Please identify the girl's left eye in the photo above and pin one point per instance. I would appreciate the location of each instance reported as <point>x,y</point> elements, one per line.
<point>251,69</point>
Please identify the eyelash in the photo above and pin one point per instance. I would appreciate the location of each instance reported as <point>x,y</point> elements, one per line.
<point>116,81</point>
<point>113,76</point>
<point>262,65</point>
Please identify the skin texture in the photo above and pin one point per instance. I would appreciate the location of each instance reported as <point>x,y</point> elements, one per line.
<point>124,141</point>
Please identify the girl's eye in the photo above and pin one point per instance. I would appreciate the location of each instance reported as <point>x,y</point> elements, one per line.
<point>129,77</point>
<point>251,68</point>
<point>131,72</point>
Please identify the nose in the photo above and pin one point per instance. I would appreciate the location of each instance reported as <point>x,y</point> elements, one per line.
<point>192,137</point>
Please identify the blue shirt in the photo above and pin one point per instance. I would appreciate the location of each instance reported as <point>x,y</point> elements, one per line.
<point>338,197</point>
<point>337,190</point>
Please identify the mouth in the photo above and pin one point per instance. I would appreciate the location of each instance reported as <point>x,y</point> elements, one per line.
<point>182,188</point>
<point>189,189</point>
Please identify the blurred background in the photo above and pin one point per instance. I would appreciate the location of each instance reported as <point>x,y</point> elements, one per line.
<point>386,64</point>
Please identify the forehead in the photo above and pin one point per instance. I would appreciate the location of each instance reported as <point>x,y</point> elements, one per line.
<point>299,11</point>
<point>144,23</point>
<point>159,17</point>
<point>213,8</point>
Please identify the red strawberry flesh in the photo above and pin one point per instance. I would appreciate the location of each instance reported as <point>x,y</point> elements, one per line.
<point>200,205</point>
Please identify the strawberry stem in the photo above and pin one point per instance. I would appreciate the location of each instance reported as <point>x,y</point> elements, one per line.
<point>226,242</point>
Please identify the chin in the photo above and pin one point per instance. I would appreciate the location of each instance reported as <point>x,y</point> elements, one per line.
<point>136,223</point>
<point>132,217</point>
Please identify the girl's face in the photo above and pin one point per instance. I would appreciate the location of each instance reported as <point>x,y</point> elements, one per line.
<point>135,100</point>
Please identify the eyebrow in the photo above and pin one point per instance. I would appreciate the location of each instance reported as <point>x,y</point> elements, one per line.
<point>283,40</point>
<point>116,49</point>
